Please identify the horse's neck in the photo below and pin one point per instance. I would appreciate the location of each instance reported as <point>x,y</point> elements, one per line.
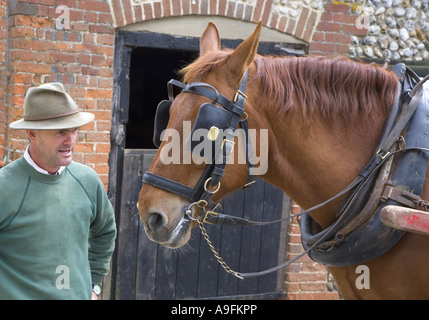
<point>314,161</point>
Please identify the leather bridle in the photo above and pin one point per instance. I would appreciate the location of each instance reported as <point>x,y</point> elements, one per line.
<point>209,182</point>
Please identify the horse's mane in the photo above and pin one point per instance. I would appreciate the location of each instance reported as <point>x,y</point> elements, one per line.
<point>332,87</point>
<point>314,85</point>
<point>197,70</point>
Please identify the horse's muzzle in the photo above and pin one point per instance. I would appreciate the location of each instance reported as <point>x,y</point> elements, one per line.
<point>171,235</point>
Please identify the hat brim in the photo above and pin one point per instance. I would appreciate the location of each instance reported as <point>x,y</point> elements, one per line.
<point>67,122</point>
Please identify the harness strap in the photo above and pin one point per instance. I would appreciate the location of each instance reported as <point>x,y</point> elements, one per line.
<point>204,89</point>
<point>287,263</point>
<point>222,156</point>
<point>224,219</point>
<point>405,116</point>
<point>167,184</point>
<point>228,142</point>
<point>384,152</point>
<point>250,156</point>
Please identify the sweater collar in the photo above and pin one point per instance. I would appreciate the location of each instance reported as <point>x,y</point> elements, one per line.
<point>31,162</point>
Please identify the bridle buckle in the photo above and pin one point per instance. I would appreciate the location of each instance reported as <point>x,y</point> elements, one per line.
<point>239,93</point>
<point>209,212</point>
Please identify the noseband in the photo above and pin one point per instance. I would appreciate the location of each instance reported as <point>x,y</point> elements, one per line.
<point>229,118</point>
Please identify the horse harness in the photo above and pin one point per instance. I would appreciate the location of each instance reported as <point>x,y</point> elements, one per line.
<point>220,124</point>
<point>357,235</point>
<point>394,176</point>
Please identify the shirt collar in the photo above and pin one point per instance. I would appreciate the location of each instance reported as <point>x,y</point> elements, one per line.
<point>30,161</point>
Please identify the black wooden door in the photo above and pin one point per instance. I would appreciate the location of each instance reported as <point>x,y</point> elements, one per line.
<point>146,270</point>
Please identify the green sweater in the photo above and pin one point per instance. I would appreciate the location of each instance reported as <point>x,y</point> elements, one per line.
<point>57,232</point>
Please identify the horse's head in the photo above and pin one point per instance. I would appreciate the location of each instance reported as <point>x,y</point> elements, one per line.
<point>201,123</point>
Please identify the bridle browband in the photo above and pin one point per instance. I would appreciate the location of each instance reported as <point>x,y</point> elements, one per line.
<point>213,171</point>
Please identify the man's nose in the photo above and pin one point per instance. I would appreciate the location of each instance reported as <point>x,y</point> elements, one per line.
<point>70,138</point>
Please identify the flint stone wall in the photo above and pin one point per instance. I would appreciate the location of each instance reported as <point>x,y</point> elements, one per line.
<point>396,29</point>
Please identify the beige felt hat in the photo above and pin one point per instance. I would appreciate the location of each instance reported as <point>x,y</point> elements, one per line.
<point>50,107</point>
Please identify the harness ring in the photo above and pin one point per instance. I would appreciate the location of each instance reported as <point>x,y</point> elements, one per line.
<point>214,191</point>
<point>188,211</point>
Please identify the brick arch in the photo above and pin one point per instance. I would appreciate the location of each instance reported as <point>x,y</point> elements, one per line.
<point>126,12</point>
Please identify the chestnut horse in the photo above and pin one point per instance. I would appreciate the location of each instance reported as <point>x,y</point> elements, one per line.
<point>324,119</point>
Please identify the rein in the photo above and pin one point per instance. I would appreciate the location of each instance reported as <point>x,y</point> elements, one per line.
<point>212,217</point>
<point>200,195</point>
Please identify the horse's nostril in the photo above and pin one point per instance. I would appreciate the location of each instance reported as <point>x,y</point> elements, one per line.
<point>157,221</point>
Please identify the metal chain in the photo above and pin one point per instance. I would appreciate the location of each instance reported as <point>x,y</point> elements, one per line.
<point>202,204</point>
<point>216,254</point>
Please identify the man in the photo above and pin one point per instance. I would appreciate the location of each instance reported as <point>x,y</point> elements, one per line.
<point>57,227</point>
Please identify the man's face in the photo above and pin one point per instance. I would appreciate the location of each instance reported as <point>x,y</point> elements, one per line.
<point>51,149</point>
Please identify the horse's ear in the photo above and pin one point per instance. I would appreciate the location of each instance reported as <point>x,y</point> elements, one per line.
<point>243,56</point>
<point>210,40</point>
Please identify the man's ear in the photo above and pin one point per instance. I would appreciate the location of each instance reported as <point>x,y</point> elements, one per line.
<point>31,134</point>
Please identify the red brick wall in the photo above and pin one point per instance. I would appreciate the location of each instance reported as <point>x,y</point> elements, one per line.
<point>305,279</point>
<point>78,54</point>
<point>3,76</point>
<point>124,13</point>
<point>333,33</point>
